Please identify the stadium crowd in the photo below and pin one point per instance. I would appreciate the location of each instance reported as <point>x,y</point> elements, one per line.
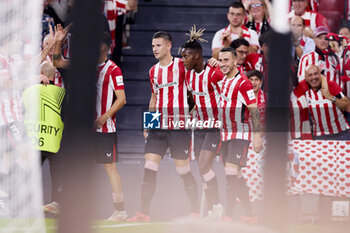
<point>229,88</point>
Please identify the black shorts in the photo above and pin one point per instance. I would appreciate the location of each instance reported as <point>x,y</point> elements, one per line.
<point>106,147</point>
<point>15,133</point>
<point>206,139</point>
<point>235,151</point>
<point>178,141</point>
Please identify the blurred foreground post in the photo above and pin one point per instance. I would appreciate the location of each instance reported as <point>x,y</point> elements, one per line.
<point>77,210</point>
<point>275,202</point>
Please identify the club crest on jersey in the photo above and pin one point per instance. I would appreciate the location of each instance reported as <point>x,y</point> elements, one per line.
<point>322,65</point>
<point>151,120</point>
<point>176,71</point>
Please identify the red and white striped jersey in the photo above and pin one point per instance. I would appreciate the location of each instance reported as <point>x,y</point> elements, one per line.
<point>347,10</point>
<point>346,71</point>
<point>58,80</point>
<point>236,94</point>
<point>261,103</point>
<point>250,35</point>
<point>299,117</point>
<point>327,118</point>
<point>112,9</point>
<point>168,83</point>
<point>255,61</point>
<point>329,65</point>
<point>10,100</point>
<point>205,88</point>
<point>311,19</point>
<point>313,5</point>
<point>110,79</point>
<point>243,68</point>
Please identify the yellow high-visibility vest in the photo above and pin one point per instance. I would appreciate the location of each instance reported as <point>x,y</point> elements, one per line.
<point>43,116</point>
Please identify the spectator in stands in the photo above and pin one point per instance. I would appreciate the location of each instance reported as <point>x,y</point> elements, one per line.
<point>258,18</point>
<point>345,61</point>
<point>241,46</point>
<point>323,56</point>
<point>234,30</point>
<point>326,103</point>
<point>51,12</point>
<point>335,44</point>
<point>344,31</point>
<point>257,78</point>
<point>312,19</point>
<point>259,61</point>
<point>301,44</point>
<point>115,11</point>
<point>313,5</point>
<point>47,21</point>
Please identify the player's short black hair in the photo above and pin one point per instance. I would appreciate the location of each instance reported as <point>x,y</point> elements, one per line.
<point>237,4</point>
<point>193,45</point>
<point>265,38</point>
<point>238,42</point>
<point>162,34</point>
<point>256,73</point>
<point>229,49</point>
<point>105,38</point>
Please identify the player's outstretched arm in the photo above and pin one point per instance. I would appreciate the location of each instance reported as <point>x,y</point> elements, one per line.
<point>257,141</point>
<point>116,106</point>
<point>57,59</point>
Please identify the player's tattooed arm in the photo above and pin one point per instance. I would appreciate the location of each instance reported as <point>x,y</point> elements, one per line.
<point>257,141</point>
<point>56,57</point>
<point>255,119</point>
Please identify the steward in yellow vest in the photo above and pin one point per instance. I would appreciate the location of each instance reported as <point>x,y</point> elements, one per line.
<point>43,104</point>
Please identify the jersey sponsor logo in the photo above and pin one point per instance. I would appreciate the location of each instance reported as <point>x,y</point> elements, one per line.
<point>315,102</point>
<point>250,94</point>
<point>199,93</point>
<point>151,120</point>
<point>171,84</point>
